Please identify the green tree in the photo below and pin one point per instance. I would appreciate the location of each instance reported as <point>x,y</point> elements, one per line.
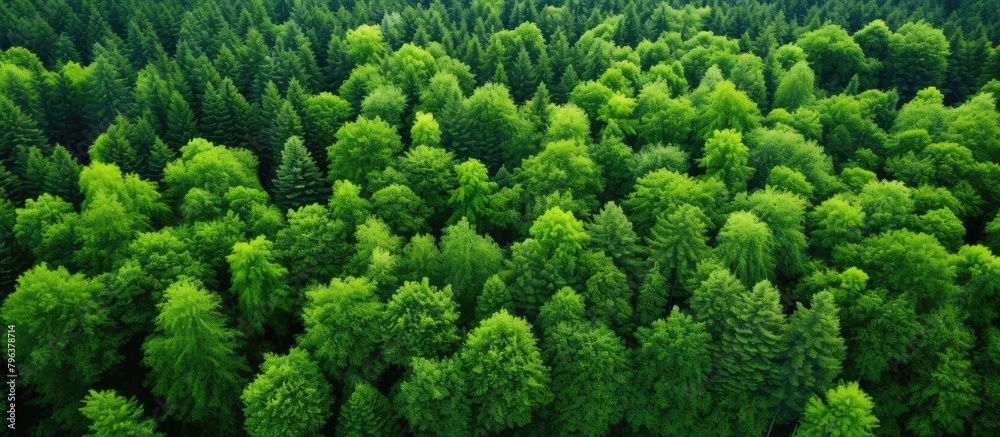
<point>289,397</point>
<point>919,54</point>
<point>386,102</point>
<point>726,158</point>
<point>469,199</point>
<point>192,358</point>
<point>746,245</point>
<point>611,232</point>
<point>402,209</point>
<point>562,166</point>
<point>845,412</point>
<point>727,108</point>
<point>746,358</point>
<point>367,413</point>
<point>113,415</point>
<point>226,115</point>
<point>181,125</point>
<point>796,87</point>
<point>506,376</point>
<point>469,259</point>
<point>672,364</point>
<point>258,283</point>
<point>814,356</point>
<point>488,127</point>
<point>784,213</point>
<point>425,131</point>
<point>322,116</point>
<point>365,45</point>
<point>678,241</point>
<point>590,368</point>
<point>68,337</point>
<point>419,323</point>
<point>833,55</point>
<point>342,324</point>
<point>314,245</point>
<point>298,181</point>
<point>363,149</point>
<point>430,173</point>
<point>433,398</point>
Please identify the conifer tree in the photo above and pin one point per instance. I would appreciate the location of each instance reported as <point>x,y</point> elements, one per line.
<point>112,415</point>
<point>289,397</point>
<point>181,126</point>
<point>367,413</point>
<point>298,181</point>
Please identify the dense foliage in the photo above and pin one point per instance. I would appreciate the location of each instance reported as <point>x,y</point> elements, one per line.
<point>294,217</point>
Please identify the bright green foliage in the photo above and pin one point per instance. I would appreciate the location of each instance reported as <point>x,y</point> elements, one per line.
<point>45,228</point>
<point>298,182</point>
<point>846,411</point>
<point>653,297</point>
<point>386,102</point>
<point>712,299</point>
<point>835,222</point>
<point>567,122</point>
<point>469,199</point>
<point>112,415</point>
<point>192,357</point>
<point>365,45</point>
<point>210,167</point>
<point>323,115</point>
<point>419,323</point>
<point>347,205</point>
<point>469,259</point>
<point>662,191</point>
<point>258,283</point>
<point>105,227</point>
<point>662,118</point>
<point>313,245</point>
<point>590,368</point>
<point>677,242</point>
<point>913,265</point>
<point>430,172</point>
<point>401,209</point>
<point>494,297</point>
<point>726,158</point>
<point>784,214</point>
<point>609,298</point>
<point>343,324</point>
<point>561,237</point>
<point>67,335</point>
<point>671,365</point>
<point>507,379</point>
<point>367,413</point>
<point>425,131</point>
<point>796,87</point>
<point>815,353</point>
<point>371,236</point>
<point>978,273</point>
<point>566,306</point>
<point>433,398</point>
<point>727,108</point>
<point>421,258</point>
<point>562,166</point>
<point>288,397</point>
<point>363,148</point>
<point>746,245</point>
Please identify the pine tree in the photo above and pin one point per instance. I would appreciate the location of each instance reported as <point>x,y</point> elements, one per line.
<point>678,241</point>
<point>298,181</point>
<point>63,176</point>
<point>814,357</point>
<point>654,294</point>
<point>258,283</point>
<point>523,78</point>
<point>227,115</point>
<point>746,358</point>
<point>181,126</point>
<point>111,415</point>
<point>16,129</point>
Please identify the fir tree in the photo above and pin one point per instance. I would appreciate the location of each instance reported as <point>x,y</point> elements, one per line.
<point>298,181</point>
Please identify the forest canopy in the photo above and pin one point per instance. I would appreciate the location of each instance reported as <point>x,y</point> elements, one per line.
<point>500,217</point>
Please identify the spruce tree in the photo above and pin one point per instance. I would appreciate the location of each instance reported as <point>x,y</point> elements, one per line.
<point>298,181</point>
<point>181,126</point>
